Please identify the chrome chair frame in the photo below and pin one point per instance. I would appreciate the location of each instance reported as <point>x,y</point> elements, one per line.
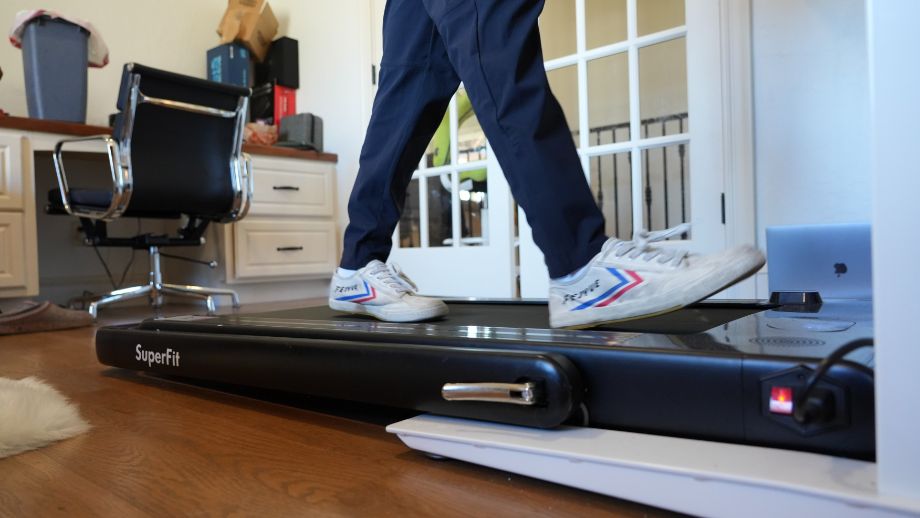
<point>119,158</point>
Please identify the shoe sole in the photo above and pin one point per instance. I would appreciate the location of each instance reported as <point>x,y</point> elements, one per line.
<point>360,309</point>
<point>600,323</point>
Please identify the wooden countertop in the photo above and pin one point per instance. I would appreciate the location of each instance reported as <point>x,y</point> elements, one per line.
<point>85,130</point>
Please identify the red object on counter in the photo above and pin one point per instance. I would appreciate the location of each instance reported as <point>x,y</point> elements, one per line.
<point>285,103</point>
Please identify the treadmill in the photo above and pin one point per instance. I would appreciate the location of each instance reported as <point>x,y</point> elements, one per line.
<point>746,372</point>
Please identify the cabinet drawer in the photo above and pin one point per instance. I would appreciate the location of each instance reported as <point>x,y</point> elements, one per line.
<point>12,251</point>
<point>280,248</point>
<point>11,173</point>
<point>292,193</point>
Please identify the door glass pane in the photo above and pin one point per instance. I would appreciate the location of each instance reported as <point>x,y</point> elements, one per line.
<point>611,184</point>
<point>471,140</point>
<point>666,186</point>
<point>438,152</point>
<point>409,230</point>
<point>658,15</point>
<point>440,229</point>
<point>605,22</point>
<point>564,84</point>
<point>474,208</point>
<point>608,99</point>
<point>663,86</point>
<point>557,28</point>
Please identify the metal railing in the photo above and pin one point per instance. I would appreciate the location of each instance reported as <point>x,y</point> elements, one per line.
<point>654,126</point>
<point>653,192</point>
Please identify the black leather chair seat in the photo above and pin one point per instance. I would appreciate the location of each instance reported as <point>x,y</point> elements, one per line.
<point>96,199</point>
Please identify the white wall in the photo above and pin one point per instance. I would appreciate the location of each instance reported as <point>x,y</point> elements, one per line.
<point>175,35</point>
<point>895,105</point>
<point>811,112</point>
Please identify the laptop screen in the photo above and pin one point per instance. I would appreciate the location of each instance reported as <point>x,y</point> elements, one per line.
<point>834,260</point>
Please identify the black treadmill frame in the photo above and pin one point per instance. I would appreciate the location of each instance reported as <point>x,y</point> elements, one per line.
<point>713,394</point>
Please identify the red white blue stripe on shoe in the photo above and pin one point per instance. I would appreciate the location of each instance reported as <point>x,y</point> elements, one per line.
<point>369,294</point>
<point>625,284</point>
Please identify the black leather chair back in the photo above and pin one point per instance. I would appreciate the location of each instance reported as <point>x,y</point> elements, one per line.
<point>181,161</point>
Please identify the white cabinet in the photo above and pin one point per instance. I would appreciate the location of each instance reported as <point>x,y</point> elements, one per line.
<point>290,231</point>
<point>11,174</point>
<point>12,253</point>
<point>289,188</point>
<point>284,247</point>
<point>18,247</point>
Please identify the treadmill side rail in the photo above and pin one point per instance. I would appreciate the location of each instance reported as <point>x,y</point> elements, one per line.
<point>399,375</point>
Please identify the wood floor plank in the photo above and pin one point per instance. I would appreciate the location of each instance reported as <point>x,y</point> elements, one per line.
<point>32,484</point>
<point>162,448</point>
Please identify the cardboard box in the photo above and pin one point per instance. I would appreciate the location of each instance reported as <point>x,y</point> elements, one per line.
<point>230,63</point>
<point>250,22</point>
<point>271,102</point>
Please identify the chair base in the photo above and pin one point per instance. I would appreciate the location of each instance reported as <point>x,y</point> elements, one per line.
<point>156,289</point>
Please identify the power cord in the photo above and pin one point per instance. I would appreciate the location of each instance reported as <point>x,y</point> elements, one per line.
<point>807,407</point>
<point>124,273</point>
<point>106,266</point>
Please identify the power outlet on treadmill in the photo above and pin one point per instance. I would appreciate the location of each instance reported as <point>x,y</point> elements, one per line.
<point>828,407</point>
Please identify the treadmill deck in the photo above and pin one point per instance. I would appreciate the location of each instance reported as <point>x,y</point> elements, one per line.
<point>704,372</point>
<point>723,327</point>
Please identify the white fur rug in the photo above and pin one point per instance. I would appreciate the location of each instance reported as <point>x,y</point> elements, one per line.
<point>34,414</point>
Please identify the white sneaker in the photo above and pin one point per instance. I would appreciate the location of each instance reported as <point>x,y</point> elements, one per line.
<point>632,279</point>
<point>385,292</point>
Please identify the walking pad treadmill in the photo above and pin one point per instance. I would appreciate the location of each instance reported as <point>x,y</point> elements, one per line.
<point>723,371</point>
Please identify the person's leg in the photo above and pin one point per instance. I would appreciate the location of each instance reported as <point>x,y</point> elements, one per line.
<point>415,87</point>
<point>495,47</point>
<point>416,84</point>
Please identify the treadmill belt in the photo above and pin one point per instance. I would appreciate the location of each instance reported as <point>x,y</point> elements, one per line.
<point>697,318</point>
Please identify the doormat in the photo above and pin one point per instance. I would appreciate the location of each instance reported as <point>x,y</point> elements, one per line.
<point>33,317</point>
<point>33,414</point>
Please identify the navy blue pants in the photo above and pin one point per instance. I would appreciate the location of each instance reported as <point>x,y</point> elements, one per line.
<point>493,46</point>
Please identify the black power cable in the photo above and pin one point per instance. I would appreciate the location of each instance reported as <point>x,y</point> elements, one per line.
<point>805,407</point>
<point>124,273</point>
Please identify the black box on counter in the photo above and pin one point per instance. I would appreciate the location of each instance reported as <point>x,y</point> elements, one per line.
<point>281,65</point>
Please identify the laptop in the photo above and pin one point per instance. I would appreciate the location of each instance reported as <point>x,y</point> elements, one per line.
<point>834,260</point>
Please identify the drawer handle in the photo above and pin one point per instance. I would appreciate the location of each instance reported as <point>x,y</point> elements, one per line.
<point>510,393</point>
<point>289,248</point>
<point>286,188</point>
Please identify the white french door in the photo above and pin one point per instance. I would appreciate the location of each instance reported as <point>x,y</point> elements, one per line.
<point>639,83</point>
<point>455,237</point>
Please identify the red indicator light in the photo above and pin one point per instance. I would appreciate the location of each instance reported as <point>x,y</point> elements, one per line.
<point>781,400</point>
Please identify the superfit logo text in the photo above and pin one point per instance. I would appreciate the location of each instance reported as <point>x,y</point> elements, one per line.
<point>169,357</point>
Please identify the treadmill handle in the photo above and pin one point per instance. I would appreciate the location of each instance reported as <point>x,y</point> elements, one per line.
<point>511,393</point>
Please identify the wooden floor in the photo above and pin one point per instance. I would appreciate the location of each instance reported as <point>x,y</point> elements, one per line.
<point>160,448</point>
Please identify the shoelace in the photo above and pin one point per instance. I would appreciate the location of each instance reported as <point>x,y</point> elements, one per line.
<point>394,278</point>
<point>640,246</point>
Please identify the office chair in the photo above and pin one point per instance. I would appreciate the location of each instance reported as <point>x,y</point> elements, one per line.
<point>175,152</point>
